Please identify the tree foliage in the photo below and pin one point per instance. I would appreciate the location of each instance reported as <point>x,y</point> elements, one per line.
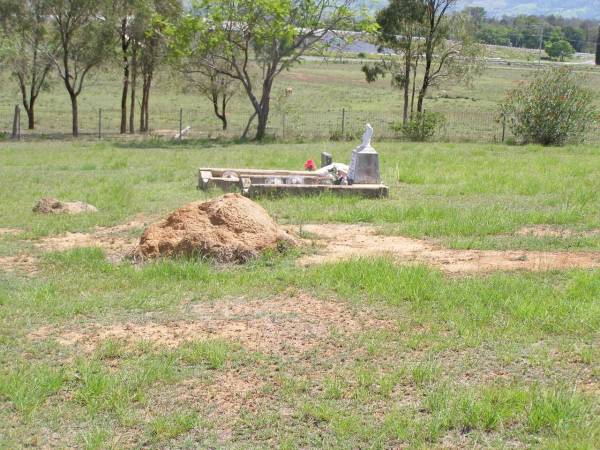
<point>558,48</point>
<point>598,48</point>
<point>399,27</point>
<point>253,41</point>
<point>27,48</point>
<point>552,109</point>
<point>208,79</point>
<point>525,31</point>
<point>423,32</point>
<point>84,39</point>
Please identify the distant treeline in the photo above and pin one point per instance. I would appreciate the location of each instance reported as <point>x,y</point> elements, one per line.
<point>531,31</point>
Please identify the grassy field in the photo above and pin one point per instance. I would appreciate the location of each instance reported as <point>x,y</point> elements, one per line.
<point>351,354</point>
<point>320,92</point>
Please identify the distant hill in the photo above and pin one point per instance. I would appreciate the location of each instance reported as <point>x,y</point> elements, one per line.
<point>584,9</point>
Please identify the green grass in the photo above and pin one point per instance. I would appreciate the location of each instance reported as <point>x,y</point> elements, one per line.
<point>468,196</point>
<point>505,359</point>
<point>471,109</point>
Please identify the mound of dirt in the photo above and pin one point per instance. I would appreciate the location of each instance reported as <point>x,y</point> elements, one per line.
<point>54,206</point>
<point>227,229</point>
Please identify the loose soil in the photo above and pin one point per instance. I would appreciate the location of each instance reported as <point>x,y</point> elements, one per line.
<point>113,240</point>
<point>554,232</point>
<point>54,206</point>
<point>227,229</point>
<point>21,264</point>
<point>340,242</point>
<point>287,326</point>
<point>9,231</point>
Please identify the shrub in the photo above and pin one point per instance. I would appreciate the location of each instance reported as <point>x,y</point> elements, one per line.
<point>552,109</point>
<point>422,126</point>
<point>560,49</point>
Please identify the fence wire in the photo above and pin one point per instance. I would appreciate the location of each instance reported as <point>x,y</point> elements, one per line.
<point>344,124</point>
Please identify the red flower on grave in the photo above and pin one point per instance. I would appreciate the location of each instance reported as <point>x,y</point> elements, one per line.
<point>310,165</point>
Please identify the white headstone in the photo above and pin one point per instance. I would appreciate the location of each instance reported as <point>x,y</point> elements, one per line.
<point>365,155</point>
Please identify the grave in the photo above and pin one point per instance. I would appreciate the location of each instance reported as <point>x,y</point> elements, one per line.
<point>363,177</point>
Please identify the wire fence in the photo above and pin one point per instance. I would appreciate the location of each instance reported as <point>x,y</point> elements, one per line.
<point>342,124</point>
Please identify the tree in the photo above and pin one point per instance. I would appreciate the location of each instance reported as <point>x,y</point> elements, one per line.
<point>477,15</point>
<point>152,46</point>
<point>598,48</point>
<point>125,16</point>
<point>552,109</point>
<point>575,37</point>
<point>450,48</point>
<point>218,88</point>
<point>27,49</point>
<point>557,47</point>
<point>258,40</point>
<point>142,46</point>
<point>84,40</point>
<point>399,27</point>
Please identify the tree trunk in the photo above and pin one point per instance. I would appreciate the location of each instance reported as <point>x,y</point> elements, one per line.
<point>144,114</point>
<point>414,88</point>
<point>407,70</point>
<point>75,114</point>
<point>124,96</point>
<point>125,43</point>
<point>143,107</point>
<point>264,108</point>
<point>30,117</point>
<point>222,113</point>
<point>247,129</point>
<point>147,105</point>
<point>426,75</point>
<point>598,48</point>
<point>261,129</point>
<point>133,87</point>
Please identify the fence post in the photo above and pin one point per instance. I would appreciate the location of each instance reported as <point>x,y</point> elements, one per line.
<point>343,122</point>
<point>503,128</point>
<point>180,124</point>
<point>100,123</point>
<point>16,131</point>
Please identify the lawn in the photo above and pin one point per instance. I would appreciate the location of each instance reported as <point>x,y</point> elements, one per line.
<point>97,353</point>
<point>321,92</point>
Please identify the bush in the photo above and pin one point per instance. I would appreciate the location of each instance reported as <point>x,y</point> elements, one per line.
<point>422,126</point>
<point>552,109</point>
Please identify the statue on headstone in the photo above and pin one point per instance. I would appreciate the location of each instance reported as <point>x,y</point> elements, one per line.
<point>364,166</point>
<point>366,139</point>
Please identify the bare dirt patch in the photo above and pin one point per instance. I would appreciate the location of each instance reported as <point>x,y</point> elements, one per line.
<point>21,264</point>
<point>341,242</point>
<point>116,247</point>
<point>286,326</point>
<point>227,229</point>
<point>9,231</point>
<point>54,206</point>
<point>228,393</point>
<point>554,231</point>
<point>220,398</point>
<point>113,240</point>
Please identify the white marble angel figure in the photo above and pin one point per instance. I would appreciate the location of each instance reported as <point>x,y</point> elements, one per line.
<point>366,139</point>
